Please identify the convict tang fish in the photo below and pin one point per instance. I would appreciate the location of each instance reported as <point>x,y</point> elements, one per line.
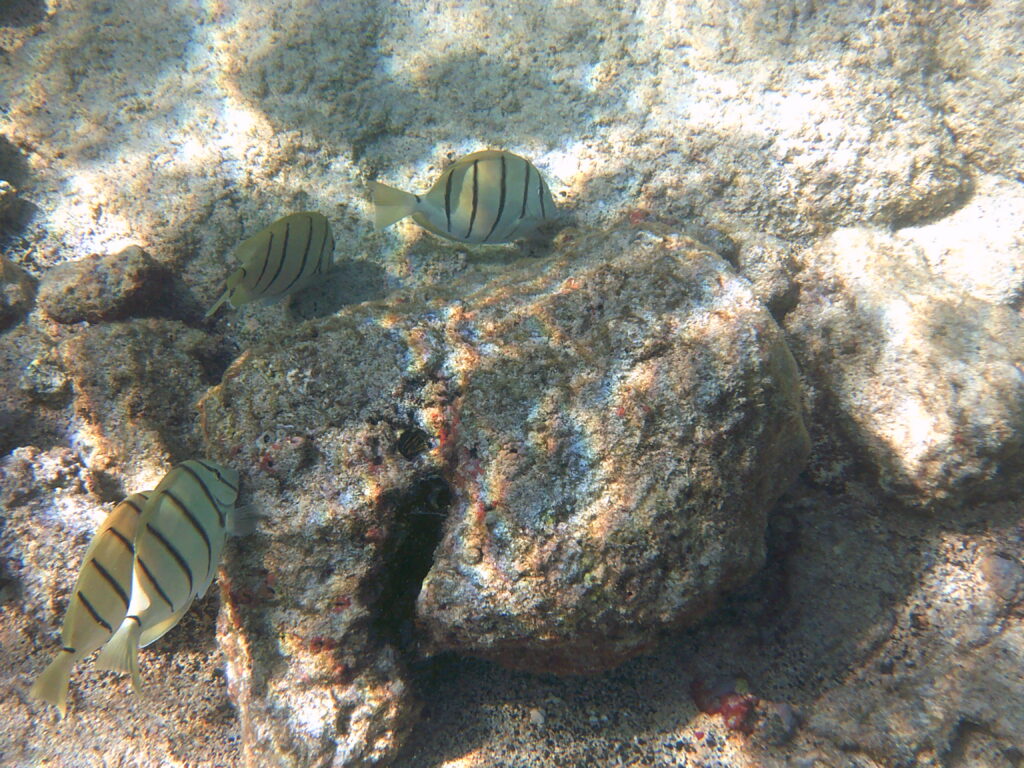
<point>280,259</point>
<point>491,196</point>
<point>99,601</point>
<point>181,533</point>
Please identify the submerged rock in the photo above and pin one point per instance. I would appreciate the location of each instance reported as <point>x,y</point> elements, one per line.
<point>17,292</point>
<point>606,431</point>
<point>624,421</point>
<point>978,248</point>
<point>927,380</point>
<point>96,288</point>
<point>134,385</point>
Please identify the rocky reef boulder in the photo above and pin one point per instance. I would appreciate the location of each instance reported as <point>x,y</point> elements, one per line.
<point>103,287</point>
<point>595,439</point>
<point>624,421</point>
<point>926,380</point>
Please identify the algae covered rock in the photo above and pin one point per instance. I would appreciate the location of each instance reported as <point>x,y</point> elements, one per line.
<point>597,437</point>
<point>110,287</point>
<point>927,380</point>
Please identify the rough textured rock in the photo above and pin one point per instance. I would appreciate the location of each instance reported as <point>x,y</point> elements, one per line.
<point>979,82</point>
<point>623,424</point>
<point>22,421</point>
<point>755,127</point>
<point>926,380</point>
<point>134,385</point>
<point>979,248</point>
<point>17,292</point>
<point>770,264</point>
<point>97,288</point>
<point>609,428</point>
<point>312,422</point>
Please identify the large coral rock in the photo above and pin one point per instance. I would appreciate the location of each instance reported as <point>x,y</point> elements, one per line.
<point>927,380</point>
<point>623,425</point>
<point>607,430</point>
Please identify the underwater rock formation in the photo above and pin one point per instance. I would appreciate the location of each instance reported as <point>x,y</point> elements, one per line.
<point>134,385</point>
<point>927,380</point>
<point>598,437</point>
<point>98,287</point>
<point>624,422</point>
<point>17,292</point>
<point>978,248</point>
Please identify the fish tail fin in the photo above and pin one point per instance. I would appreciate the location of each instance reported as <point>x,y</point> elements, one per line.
<point>243,520</point>
<point>217,306</point>
<point>52,684</point>
<point>121,653</point>
<point>390,204</point>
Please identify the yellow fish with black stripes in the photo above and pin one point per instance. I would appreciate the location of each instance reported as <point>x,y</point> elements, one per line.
<point>99,601</point>
<point>280,259</point>
<point>180,536</point>
<point>491,196</point>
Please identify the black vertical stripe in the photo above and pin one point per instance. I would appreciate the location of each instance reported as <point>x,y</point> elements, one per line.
<point>123,539</point>
<point>197,525</point>
<point>133,505</point>
<point>266,260</point>
<point>325,255</point>
<point>156,585</point>
<point>174,554</point>
<point>448,198</point>
<point>206,493</point>
<point>280,261</point>
<point>216,470</point>
<point>472,215</point>
<point>526,187</point>
<point>540,194</point>
<point>92,612</point>
<point>501,202</point>
<point>305,254</point>
<point>112,582</point>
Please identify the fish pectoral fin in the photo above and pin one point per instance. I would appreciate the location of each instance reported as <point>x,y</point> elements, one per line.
<point>121,653</point>
<point>390,204</point>
<point>217,306</point>
<point>52,684</point>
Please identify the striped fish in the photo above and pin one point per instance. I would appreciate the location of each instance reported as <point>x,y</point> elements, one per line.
<point>181,533</point>
<point>281,259</point>
<point>99,601</point>
<point>491,196</point>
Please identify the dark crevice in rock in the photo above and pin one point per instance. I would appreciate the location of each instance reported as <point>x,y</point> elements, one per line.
<point>420,512</point>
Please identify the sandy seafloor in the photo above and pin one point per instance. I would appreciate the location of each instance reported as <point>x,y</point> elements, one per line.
<point>181,126</point>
